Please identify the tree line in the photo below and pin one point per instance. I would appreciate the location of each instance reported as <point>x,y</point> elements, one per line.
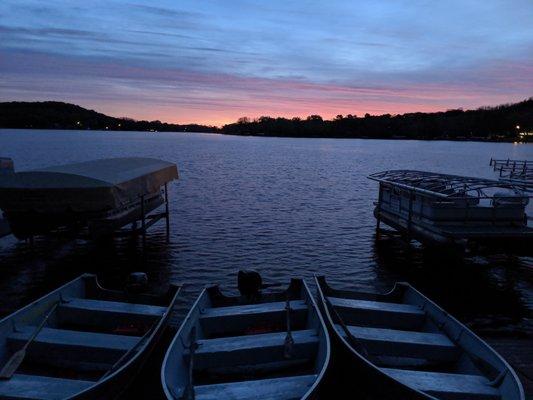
<point>502,122</point>
<point>59,115</point>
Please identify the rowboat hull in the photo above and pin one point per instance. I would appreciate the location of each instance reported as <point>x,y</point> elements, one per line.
<point>240,348</point>
<point>401,345</point>
<point>93,345</point>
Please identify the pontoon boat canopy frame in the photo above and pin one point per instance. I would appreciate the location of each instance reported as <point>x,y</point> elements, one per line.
<point>444,185</point>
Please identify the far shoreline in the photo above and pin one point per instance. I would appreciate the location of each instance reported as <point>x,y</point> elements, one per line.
<point>436,139</point>
<point>504,123</point>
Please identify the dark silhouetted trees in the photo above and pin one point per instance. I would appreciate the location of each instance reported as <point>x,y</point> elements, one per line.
<point>58,115</point>
<point>485,123</point>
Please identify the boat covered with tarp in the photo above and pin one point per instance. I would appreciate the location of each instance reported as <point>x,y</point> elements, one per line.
<point>255,346</point>
<point>442,208</point>
<point>36,201</point>
<point>82,341</point>
<point>401,345</point>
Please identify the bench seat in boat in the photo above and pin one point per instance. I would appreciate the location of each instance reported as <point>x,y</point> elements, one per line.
<point>98,313</point>
<point>447,386</point>
<point>392,342</point>
<point>253,349</point>
<point>69,347</point>
<point>235,318</point>
<point>287,388</point>
<point>379,314</point>
<point>35,387</point>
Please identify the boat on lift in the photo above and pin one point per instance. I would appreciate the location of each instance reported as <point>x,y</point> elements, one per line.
<point>254,346</point>
<point>401,345</point>
<point>103,195</point>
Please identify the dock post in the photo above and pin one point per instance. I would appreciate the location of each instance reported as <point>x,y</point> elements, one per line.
<point>378,210</point>
<point>409,222</point>
<point>143,220</point>
<point>167,214</point>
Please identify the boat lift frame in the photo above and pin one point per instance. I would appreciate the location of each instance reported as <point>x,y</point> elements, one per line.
<point>147,220</point>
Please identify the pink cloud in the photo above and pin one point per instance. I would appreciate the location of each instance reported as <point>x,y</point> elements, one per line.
<point>184,96</point>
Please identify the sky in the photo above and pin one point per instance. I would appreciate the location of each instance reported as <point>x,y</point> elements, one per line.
<point>213,61</point>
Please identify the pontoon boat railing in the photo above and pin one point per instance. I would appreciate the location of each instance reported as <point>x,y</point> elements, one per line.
<point>449,187</point>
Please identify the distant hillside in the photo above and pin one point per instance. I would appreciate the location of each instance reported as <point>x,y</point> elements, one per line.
<point>486,123</point>
<point>58,115</point>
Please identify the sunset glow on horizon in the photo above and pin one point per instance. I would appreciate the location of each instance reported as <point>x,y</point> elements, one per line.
<point>210,63</point>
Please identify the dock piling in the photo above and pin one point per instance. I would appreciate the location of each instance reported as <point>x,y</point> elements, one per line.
<point>167,214</point>
<point>143,220</point>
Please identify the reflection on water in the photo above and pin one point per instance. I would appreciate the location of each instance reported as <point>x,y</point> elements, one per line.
<point>491,293</point>
<point>286,207</point>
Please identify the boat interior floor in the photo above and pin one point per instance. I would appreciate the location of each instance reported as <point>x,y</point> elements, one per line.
<point>82,340</point>
<point>402,340</point>
<point>241,352</point>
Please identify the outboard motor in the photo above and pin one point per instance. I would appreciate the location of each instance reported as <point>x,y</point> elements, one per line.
<point>249,283</point>
<point>7,166</point>
<point>137,282</point>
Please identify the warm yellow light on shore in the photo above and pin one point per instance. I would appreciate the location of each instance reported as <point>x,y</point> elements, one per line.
<point>517,126</point>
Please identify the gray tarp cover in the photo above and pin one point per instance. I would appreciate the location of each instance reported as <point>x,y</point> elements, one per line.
<point>88,186</point>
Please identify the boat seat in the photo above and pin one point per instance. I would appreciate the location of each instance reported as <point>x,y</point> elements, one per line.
<point>253,349</point>
<point>66,348</point>
<point>446,386</point>
<point>287,388</point>
<point>379,314</point>
<point>35,387</point>
<point>221,320</point>
<point>392,342</point>
<point>100,313</point>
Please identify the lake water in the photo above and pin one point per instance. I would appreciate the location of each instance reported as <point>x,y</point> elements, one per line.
<point>286,207</point>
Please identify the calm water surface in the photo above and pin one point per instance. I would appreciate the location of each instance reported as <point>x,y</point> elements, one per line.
<point>286,207</point>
